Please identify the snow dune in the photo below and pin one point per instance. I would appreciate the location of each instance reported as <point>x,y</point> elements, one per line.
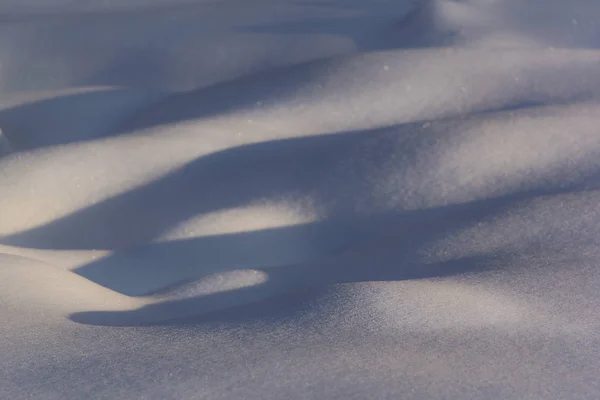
<point>267,199</point>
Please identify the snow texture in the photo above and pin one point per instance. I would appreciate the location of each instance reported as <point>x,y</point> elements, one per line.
<point>268,199</point>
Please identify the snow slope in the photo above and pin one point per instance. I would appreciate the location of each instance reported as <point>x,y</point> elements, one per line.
<point>300,199</point>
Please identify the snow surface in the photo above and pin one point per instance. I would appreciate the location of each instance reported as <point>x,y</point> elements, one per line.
<point>269,199</point>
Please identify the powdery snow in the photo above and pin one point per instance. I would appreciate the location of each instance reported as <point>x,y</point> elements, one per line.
<point>300,199</point>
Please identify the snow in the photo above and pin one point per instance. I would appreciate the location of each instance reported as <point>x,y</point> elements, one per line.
<point>299,199</point>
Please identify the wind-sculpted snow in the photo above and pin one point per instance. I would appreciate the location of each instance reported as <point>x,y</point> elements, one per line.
<point>299,199</point>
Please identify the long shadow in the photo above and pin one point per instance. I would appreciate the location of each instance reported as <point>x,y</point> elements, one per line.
<point>271,299</point>
<point>288,170</point>
<point>286,246</point>
<point>231,178</point>
<point>317,167</point>
<point>110,113</point>
<point>272,87</point>
<point>389,252</point>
